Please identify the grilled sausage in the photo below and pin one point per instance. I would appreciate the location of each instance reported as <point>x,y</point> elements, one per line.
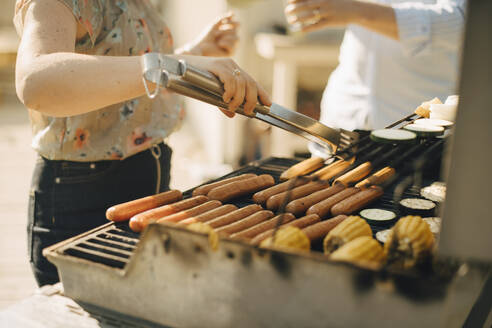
<point>245,223</point>
<point>323,208</point>
<point>125,211</point>
<point>300,205</point>
<point>203,190</point>
<point>318,231</point>
<point>264,226</point>
<point>261,196</point>
<point>302,168</point>
<point>331,170</point>
<point>142,220</point>
<point>274,202</point>
<point>299,223</point>
<point>234,216</point>
<point>357,201</point>
<point>377,178</point>
<point>355,175</point>
<point>210,215</point>
<point>197,210</point>
<point>240,188</point>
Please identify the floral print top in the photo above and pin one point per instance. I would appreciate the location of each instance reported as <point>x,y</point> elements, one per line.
<point>115,28</point>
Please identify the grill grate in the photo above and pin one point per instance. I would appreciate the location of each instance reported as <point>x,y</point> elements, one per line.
<point>114,244</point>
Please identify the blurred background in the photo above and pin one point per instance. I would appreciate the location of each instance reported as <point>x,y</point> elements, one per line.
<point>294,68</point>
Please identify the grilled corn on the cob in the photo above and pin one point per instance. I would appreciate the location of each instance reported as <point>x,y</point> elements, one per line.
<point>410,243</point>
<point>361,250</point>
<point>288,237</point>
<point>349,229</point>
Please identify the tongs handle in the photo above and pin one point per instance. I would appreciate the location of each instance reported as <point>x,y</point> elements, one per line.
<point>209,82</point>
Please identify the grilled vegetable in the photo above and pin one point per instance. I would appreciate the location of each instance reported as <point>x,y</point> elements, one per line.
<point>425,130</point>
<point>410,243</point>
<point>417,206</point>
<point>362,250</point>
<point>393,136</point>
<point>378,216</point>
<point>288,237</point>
<point>348,230</point>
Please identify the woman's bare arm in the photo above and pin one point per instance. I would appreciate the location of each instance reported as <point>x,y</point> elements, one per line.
<point>52,79</point>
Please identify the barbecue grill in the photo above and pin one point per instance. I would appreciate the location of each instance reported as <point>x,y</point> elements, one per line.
<point>167,271</point>
<point>171,276</point>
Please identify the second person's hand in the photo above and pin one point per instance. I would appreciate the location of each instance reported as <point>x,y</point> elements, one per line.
<point>313,15</point>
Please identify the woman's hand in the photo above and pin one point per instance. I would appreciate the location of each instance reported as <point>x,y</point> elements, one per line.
<point>217,40</point>
<point>314,15</point>
<point>238,85</point>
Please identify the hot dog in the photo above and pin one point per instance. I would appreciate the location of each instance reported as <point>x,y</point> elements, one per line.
<point>234,216</point>
<point>210,215</point>
<point>355,175</point>
<point>377,178</point>
<point>274,202</point>
<point>302,168</point>
<point>142,220</point>
<point>240,188</point>
<point>357,201</point>
<point>197,210</point>
<point>125,211</point>
<point>203,190</point>
<point>323,208</point>
<point>299,223</point>
<point>331,170</point>
<point>245,223</point>
<point>318,231</point>
<point>262,196</point>
<point>263,226</point>
<point>300,205</point>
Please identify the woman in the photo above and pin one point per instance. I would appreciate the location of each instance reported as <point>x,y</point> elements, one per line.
<point>395,54</point>
<point>99,137</point>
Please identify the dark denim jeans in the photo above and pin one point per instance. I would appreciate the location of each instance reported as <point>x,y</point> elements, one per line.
<point>69,198</point>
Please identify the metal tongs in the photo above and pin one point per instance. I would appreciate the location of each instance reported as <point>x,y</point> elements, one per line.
<point>179,77</point>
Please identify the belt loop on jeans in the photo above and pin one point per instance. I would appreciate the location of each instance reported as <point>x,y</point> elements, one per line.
<point>155,150</point>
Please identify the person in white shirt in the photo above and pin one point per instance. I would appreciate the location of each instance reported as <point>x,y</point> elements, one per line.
<point>394,55</point>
